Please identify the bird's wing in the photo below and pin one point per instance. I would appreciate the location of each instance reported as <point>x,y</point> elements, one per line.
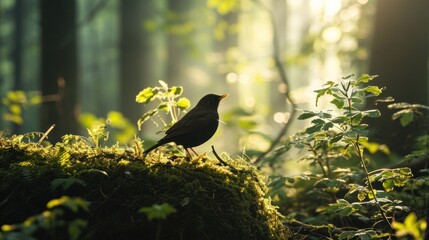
<point>191,122</point>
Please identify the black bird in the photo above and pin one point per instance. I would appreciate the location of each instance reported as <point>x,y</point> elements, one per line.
<point>196,127</point>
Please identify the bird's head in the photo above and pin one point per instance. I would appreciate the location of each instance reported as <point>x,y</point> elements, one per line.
<point>211,100</point>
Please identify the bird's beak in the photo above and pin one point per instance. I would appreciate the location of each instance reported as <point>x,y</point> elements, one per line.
<point>224,96</point>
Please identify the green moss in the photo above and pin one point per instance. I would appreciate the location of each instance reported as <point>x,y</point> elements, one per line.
<point>212,201</point>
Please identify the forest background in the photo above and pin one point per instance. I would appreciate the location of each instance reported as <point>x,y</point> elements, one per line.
<point>106,51</point>
<point>79,63</point>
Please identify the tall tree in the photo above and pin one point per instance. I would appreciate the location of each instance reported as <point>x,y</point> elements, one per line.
<point>400,55</point>
<point>177,52</point>
<point>17,55</point>
<point>59,66</point>
<point>134,67</point>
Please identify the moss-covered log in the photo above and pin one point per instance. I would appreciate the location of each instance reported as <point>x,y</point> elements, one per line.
<point>211,200</point>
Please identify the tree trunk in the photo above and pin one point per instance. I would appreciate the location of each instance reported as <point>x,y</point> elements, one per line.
<point>177,56</point>
<point>133,67</point>
<point>59,67</point>
<point>400,56</point>
<point>17,55</point>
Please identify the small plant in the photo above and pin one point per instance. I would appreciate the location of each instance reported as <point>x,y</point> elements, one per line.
<point>342,184</point>
<point>158,211</point>
<point>120,128</point>
<point>170,102</point>
<point>50,223</point>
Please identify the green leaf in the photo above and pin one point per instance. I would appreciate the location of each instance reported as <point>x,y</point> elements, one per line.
<point>342,207</point>
<point>73,204</point>
<point>75,227</point>
<point>373,89</point>
<point>147,95</point>
<point>411,226</point>
<point>323,91</point>
<point>163,107</point>
<point>318,121</point>
<point>330,183</point>
<point>357,100</point>
<point>163,84</point>
<point>404,105</point>
<point>373,113</point>
<point>183,103</point>
<point>66,183</point>
<point>362,195</point>
<point>313,128</point>
<point>177,91</point>
<point>306,115</point>
<point>339,103</point>
<point>336,138</point>
<point>339,119</point>
<point>348,77</point>
<point>363,234</point>
<point>406,118</point>
<point>327,126</point>
<point>145,117</point>
<point>364,78</point>
<point>388,185</point>
<point>157,211</point>
<point>357,118</point>
<point>391,178</point>
<point>324,115</point>
<point>400,105</point>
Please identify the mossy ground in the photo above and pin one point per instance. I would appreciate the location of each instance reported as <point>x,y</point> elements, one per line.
<point>212,201</point>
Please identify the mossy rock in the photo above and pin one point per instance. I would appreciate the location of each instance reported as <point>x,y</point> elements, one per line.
<point>211,200</point>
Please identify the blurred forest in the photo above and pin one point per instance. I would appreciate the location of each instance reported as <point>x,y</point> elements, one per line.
<point>75,62</point>
<point>355,165</point>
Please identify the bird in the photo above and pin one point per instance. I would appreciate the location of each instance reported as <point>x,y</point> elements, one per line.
<point>196,127</point>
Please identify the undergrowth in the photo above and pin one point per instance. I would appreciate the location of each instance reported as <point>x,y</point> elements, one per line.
<point>81,189</point>
<point>115,193</point>
<point>345,194</point>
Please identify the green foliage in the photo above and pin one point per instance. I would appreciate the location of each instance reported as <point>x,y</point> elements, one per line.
<point>51,222</point>
<point>66,183</point>
<point>169,103</point>
<point>120,128</point>
<point>205,199</point>
<point>406,112</point>
<point>97,133</point>
<point>158,211</point>
<point>223,6</point>
<point>16,101</point>
<point>340,190</point>
<point>411,227</point>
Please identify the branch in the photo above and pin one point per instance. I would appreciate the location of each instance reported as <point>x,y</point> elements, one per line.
<point>223,161</point>
<point>45,135</point>
<point>324,231</point>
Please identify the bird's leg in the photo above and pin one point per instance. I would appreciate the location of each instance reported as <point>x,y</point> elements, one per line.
<point>195,152</point>
<point>188,154</point>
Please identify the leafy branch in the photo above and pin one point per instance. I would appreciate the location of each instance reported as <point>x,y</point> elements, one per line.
<point>169,102</point>
<point>336,135</point>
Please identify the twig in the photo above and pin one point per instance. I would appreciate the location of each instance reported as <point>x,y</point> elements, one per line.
<point>45,135</point>
<point>223,161</point>
<point>325,231</point>
<point>284,79</point>
<point>3,133</point>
